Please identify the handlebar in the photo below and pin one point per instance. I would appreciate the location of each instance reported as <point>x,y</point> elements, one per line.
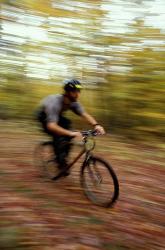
<point>87,133</point>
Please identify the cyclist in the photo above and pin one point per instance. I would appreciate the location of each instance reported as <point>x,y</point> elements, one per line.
<point>53,120</point>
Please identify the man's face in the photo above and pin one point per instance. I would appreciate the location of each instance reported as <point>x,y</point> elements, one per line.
<point>73,95</point>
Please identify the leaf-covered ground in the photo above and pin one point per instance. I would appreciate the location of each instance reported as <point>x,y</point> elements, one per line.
<point>38,214</point>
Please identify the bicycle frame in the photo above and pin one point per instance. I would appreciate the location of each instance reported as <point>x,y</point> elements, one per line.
<point>82,152</point>
<point>91,174</point>
<point>78,157</point>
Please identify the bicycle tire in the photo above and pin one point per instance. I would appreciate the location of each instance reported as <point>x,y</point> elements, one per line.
<point>91,170</point>
<point>44,158</point>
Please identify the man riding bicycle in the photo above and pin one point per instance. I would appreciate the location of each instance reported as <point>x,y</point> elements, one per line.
<point>54,123</point>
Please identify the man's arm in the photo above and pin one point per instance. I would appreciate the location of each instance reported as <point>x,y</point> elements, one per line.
<point>91,120</point>
<point>55,128</point>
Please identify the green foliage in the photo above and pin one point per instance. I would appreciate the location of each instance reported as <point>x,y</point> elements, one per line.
<point>123,77</point>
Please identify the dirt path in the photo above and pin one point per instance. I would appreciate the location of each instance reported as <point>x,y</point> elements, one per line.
<point>39,214</point>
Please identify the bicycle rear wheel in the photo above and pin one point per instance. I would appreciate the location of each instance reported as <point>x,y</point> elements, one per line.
<point>45,159</point>
<point>99,182</point>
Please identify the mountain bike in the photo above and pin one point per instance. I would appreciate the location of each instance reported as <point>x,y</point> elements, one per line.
<point>98,179</point>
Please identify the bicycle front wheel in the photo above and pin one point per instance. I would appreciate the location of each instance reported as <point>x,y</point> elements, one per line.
<point>99,182</point>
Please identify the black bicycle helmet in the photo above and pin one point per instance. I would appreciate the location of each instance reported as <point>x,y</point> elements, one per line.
<point>72,85</point>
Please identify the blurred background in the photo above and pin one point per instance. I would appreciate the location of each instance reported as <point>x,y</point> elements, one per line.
<point>116,48</point>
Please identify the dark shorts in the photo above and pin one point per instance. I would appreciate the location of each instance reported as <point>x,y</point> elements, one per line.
<point>61,143</point>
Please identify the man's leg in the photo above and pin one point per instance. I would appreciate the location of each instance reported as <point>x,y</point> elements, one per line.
<point>62,144</point>
<point>61,151</point>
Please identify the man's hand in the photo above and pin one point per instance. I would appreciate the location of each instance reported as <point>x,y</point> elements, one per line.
<point>99,129</point>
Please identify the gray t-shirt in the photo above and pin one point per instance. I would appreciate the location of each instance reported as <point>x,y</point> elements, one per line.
<point>54,107</point>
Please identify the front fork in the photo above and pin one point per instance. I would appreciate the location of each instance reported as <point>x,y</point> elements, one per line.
<point>93,170</point>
